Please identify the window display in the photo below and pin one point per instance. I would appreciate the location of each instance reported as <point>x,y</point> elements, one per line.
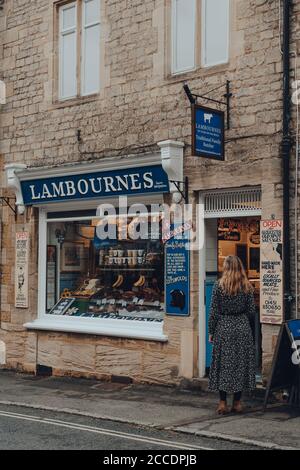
<point>117,278</point>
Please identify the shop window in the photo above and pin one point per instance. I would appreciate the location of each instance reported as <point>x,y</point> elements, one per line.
<point>192,20</point>
<point>89,276</point>
<point>80,19</point>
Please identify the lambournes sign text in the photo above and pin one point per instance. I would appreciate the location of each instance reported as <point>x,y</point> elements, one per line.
<point>208,132</point>
<point>152,179</point>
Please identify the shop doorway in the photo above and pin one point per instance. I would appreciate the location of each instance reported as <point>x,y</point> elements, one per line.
<point>233,236</point>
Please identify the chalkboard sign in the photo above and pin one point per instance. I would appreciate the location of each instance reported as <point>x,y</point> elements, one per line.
<point>177,279</point>
<point>62,306</point>
<point>285,371</point>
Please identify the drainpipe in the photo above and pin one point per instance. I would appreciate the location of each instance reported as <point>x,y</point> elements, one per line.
<point>286,152</point>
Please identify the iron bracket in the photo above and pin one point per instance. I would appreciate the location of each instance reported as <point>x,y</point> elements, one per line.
<point>193,97</point>
<point>5,201</point>
<point>183,188</point>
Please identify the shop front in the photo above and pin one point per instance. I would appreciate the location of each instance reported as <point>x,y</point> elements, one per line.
<point>102,264</point>
<point>232,227</point>
<point>125,298</point>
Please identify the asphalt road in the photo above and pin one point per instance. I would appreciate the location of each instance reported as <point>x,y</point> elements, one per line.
<point>31,429</point>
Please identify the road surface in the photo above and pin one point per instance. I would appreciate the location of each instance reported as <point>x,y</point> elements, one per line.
<point>31,429</point>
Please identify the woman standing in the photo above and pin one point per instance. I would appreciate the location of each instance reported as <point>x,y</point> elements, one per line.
<point>233,361</point>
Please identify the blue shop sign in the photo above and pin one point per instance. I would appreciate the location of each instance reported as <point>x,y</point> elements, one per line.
<point>143,180</point>
<point>208,132</point>
<point>177,272</point>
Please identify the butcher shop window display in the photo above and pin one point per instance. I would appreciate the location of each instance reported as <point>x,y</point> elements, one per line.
<point>117,278</point>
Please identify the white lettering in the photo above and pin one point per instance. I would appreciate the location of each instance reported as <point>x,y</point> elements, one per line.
<point>46,193</point>
<point>135,181</point>
<point>109,184</point>
<point>71,191</point>
<point>83,187</point>
<point>58,190</point>
<point>99,189</point>
<point>122,182</point>
<point>148,180</point>
<point>33,195</point>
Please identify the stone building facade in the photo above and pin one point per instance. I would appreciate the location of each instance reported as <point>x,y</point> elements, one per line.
<point>140,103</point>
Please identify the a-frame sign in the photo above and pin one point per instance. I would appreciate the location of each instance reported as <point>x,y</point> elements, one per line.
<point>285,371</point>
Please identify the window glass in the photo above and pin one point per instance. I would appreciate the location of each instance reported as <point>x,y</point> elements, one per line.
<point>215,32</point>
<point>69,17</point>
<point>183,35</point>
<point>90,276</point>
<point>91,11</point>
<point>91,47</point>
<point>68,52</point>
<point>68,82</point>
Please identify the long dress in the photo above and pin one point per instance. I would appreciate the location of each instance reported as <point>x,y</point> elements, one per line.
<point>233,360</point>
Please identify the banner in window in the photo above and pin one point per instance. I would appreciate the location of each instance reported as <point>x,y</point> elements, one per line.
<point>177,274</point>
<point>21,271</point>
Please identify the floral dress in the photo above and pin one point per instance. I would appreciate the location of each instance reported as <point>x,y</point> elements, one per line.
<point>233,360</point>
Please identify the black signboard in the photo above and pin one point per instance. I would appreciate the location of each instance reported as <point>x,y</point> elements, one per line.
<point>285,371</point>
<point>228,236</point>
<point>207,132</point>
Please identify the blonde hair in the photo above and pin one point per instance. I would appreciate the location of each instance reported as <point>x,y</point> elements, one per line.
<point>234,278</point>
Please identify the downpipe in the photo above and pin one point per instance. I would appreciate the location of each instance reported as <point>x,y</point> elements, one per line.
<point>286,146</point>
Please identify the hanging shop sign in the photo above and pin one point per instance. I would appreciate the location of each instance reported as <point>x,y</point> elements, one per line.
<point>208,132</point>
<point>150,179</point>
<point>271,272</point>
<point>177,275</point>
<point>21,271</point>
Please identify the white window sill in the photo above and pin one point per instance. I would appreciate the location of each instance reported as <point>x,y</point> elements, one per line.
<point>101,326</point>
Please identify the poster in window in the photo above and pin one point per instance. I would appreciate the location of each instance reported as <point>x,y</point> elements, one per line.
<point>51,276</point>
<point>177,273</point>
<point>72,257</point>
<point>21,272</point>
<point>271,272</point>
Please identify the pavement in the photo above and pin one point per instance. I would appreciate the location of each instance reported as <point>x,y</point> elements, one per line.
<point>150,406</point>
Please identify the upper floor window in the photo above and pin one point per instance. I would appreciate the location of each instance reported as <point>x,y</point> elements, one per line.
<point>79,48</point>
<point>215,32</point>
<point>195,22</point>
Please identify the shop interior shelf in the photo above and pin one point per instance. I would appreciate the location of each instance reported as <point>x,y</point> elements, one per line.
<point>125,268</point>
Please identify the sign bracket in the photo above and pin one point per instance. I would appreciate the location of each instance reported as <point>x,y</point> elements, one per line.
<point>5,201</point>
<point>183,188</point>
<point>193,97</point>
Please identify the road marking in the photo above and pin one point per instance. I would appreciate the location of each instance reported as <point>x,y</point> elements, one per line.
<point>96,430</point>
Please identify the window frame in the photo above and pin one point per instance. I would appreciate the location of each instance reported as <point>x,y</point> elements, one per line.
<point>61,33</point>
<point>150,331</point>
<point>174,69</point>
<point>84,27</point>
<point>204,63</point>
<point>199,49</point>
<point>79,31</point>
